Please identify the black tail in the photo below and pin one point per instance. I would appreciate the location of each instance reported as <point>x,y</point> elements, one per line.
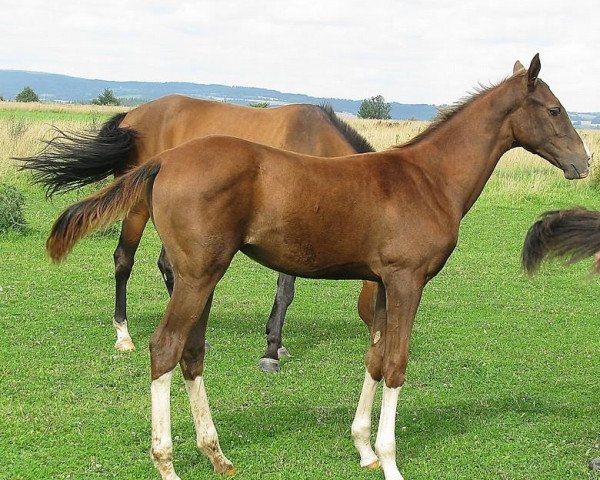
<point>102,208</point>
<point>574,233</point>
<point>358,142</point>
<point>73,159</point>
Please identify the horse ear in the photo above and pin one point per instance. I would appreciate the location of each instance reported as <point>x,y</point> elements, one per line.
<point>518,67</point>
<point>533,71</point>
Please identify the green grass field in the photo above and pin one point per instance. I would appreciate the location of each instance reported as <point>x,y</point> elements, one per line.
<point>503,380</point>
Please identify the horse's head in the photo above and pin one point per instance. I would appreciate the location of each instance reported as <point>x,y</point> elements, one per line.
<point>541,124</point>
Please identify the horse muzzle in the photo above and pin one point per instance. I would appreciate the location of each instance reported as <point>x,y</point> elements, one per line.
<point>573,172</point>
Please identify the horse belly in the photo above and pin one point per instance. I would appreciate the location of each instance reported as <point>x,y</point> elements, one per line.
<point>306,256</point>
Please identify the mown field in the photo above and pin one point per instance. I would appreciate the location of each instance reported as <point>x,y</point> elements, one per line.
<point>503,381</point>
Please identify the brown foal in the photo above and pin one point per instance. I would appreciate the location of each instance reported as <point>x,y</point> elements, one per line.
<point>390,217</point>
<point>128,140</point>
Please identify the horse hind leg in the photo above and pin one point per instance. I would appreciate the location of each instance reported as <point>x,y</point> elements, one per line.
<point>269,363</point>
<point>176,341</point>
<point>166,351</point>
<point>132,229</point>
<point>192,366</point>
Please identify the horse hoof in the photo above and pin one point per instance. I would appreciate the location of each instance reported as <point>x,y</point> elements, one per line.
<point>225,469</point>
<point>283,352</point>
<point>372,466</point>
<point>595,465</point>
<point>125,345</point>
<point>268,365</point>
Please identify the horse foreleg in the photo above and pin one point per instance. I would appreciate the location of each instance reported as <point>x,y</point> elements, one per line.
<point>361,426</point>
<point>385,444</point>
<point>131,233</point>
<point>275,350</point>
<point>403,294</point>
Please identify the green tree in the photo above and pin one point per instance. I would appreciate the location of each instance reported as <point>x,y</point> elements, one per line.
<point>106,98</point>
<point>260,104</point>
<point>375,107</point>
<point>27,95</point>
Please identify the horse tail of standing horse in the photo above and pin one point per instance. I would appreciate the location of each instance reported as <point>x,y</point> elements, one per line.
<point>101,209</point>
<point>574,233</point>
<point>73,159</point>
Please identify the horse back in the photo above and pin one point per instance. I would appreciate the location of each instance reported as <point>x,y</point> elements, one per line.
<point>175,119</point>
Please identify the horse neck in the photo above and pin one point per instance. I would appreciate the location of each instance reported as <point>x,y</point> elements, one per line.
<point>463,151</point>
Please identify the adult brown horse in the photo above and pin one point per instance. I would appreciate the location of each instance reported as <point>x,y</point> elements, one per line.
<point>72,160</point>
<point>573,233</point>
<point>391,218</point>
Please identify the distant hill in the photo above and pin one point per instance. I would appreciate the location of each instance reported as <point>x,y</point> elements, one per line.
<point>63,88</point>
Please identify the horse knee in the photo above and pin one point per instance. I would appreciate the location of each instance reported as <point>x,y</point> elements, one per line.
<point>165,354</point>
<point>394,375</point>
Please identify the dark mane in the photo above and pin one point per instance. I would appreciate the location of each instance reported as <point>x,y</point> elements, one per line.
<point>358,142</point>
<point>446,113</point>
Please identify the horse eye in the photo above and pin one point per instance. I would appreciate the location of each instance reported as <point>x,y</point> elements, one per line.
<point>554,111</point>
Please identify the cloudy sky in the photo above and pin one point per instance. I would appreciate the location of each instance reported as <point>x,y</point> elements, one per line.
<point>411,51</point>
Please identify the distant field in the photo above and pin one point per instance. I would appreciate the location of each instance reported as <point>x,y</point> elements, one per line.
<point>22,125</point>
<point>502,380</point>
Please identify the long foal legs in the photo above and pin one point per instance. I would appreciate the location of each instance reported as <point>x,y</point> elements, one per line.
<point>180,338</point>
<point>387,357</point>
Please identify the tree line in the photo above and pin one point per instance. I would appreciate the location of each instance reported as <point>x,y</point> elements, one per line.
<point>374,107</point>
<point>107,97</point>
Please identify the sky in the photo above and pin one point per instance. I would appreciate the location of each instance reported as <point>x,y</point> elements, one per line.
<point>409,51</point>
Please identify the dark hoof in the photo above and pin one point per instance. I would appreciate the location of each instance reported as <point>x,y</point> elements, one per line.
<point>595,465</point>
<point>283,352</point>
<point>268,365</point>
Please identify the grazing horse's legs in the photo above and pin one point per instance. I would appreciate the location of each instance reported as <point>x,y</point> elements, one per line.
<point>131,233</point>
<point>283,298</point>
